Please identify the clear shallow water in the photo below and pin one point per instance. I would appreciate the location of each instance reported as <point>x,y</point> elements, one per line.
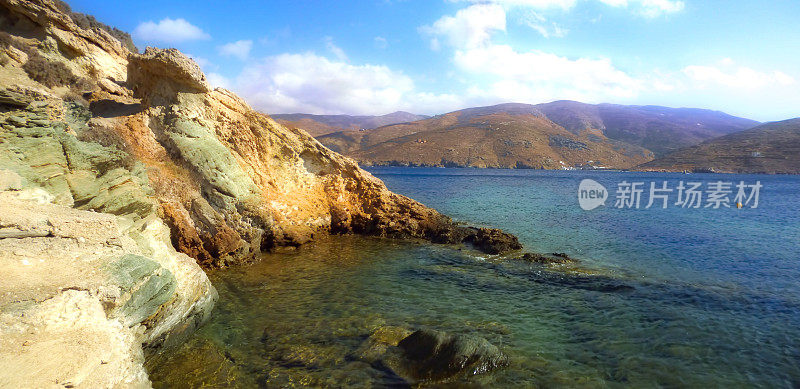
<point>671,297</point>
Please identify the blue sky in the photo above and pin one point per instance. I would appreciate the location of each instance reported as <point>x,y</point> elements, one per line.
<point>435,56</point>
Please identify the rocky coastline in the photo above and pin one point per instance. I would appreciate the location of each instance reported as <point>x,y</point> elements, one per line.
<point>123,175</point>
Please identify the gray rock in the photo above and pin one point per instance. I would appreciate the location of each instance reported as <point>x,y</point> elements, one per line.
<point>145,284</point>
<point>435,355</point>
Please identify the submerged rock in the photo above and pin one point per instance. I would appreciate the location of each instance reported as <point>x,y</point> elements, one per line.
<point>487,240</point>
<point>406,357</point>
<point>553,258</point>
<point>434,355</point>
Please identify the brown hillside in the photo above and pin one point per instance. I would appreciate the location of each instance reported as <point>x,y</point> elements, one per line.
<point>769,148</point>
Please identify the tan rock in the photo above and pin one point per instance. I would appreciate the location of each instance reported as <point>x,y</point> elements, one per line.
<point>67,341</point>
<point>84,287</point>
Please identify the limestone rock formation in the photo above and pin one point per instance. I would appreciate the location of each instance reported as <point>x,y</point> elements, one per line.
<point>228,181</point>
<point>84,291</point>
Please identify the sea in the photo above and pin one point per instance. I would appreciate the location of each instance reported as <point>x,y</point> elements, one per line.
<point>701,293</point>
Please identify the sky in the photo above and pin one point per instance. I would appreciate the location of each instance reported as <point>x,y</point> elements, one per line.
<point>434,56</point>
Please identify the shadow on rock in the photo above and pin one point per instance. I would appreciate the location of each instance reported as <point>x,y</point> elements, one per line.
<point>112,109</point>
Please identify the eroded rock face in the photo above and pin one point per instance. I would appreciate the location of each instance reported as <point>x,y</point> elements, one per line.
<point>228,181</point>
<point>232,182</point>
<point>159,74</point>
<point>89,283</point>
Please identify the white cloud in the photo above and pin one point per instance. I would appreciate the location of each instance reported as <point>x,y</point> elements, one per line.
<point>727,74</point>
<point>169,31</point>
<point>218,80</point>
<point>380,42</point>
<point>647,8</point>
<point>203,62</point>
<point>501,73</point>
<point>469,27</point>
<point>335,50</point>
<point>539,4</point>
<point>311,83</point>
<point>540,24</point>
<point>536,76</point>
<point>239,49</point>
<point>315,84</point>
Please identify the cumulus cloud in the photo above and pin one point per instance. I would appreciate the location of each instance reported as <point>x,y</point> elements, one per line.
<point>727,74</point>
<point>239,49</point>
<point>315,84</point>
<point>169,31</point>
<point>218,80</point>
<point>312,83</point>
<point>469,27</point>
<point>502,73</point>
<point>535,76</point>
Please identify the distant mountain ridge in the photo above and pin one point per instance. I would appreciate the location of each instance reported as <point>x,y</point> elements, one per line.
<point>659,129</point>
<point>561,134</point>
<point>769,148</point>
<point>317,125</point>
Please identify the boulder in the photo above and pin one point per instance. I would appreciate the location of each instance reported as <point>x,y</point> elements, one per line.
<point>492,240</point>
<point>158,75</point>
<point>436,356</point>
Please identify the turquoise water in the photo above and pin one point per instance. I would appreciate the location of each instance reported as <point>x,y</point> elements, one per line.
<point>676,297</point>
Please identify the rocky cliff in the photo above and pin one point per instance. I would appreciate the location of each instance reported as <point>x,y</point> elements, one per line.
<point>120,172</point>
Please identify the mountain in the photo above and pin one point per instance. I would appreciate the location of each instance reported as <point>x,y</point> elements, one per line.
<point>768,148</point>
<point>317,125</point>
<point>551,136</point>
<point>659,129</point>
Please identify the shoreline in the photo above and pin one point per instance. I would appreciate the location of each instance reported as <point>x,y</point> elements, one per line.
<point>367,167</point>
